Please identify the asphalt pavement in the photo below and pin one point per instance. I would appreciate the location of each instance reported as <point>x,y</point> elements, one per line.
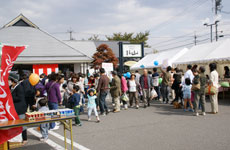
<point>158,127</point>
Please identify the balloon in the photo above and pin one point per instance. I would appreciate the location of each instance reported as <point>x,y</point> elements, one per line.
<point>34,79</point>
<point>160,80</point>
<point>142,66</point>
<point>128,74</point>
<point>156,63</point>
<point>124,74</point>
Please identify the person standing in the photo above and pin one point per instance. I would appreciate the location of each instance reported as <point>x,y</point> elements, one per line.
<point>165,84</point>
<point>137,74</point>
<point>156,86</point>
<point>18,96</point>
<point>124,89</point>
<point>214,80</point>
<point>177,86</point>
<point>103,88</point>
<point>199,95</point>
<point>188,74</point>
<point>54,95</point>
<point>146,84</point>
<point>45,126</point>
<point>115,90</point>
<point>226,72</point>
<point>29,93</point>
<point>133,87</point>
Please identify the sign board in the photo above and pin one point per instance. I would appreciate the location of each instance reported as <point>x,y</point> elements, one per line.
<point>108,67</point>
<point>132,50</point>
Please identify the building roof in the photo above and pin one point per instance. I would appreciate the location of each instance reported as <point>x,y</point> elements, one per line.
<point>42,47</point>
<point>86,47</point>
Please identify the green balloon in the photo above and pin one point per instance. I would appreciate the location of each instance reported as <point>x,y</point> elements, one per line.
<point>160,80</point>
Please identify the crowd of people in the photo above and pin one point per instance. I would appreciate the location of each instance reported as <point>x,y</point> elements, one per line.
<point>56,90</point>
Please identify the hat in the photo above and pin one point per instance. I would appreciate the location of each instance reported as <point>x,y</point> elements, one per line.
<point>14,77</point>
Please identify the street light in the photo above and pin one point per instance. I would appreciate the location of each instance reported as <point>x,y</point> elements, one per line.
<point>210,25</point>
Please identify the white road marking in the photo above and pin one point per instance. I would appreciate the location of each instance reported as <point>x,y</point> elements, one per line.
<point>78,146</point>
<point>49,142</point>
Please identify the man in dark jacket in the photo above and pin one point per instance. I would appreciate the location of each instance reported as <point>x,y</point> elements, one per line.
<point>115,90</point>
<point>18,96</point>
<point>29,93</point>
<point>146,85</point>
<point>102,89</point>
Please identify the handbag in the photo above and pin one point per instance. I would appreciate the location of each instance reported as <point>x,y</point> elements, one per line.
<point>211,90</point>
<point>124,97</point>
<point>153,94</point>
<point>195,87</point>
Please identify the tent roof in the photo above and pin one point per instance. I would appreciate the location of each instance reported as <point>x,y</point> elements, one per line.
<point>148,60</point>
<point>206,52</point>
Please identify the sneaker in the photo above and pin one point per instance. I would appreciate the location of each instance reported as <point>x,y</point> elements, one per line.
<point>126,106</point>
<point>148,104</point>
<point>43,139</point>
<point>145,106</point>
<point>196,114</point>
<point>103,114</point>
<point>203,113</point>
<point>185,110</point>
<point>137,107</point>
<point>113,104</point>
<point>89,119</point>
<point>79,124</point>
<point>55,128</point>
<point>98,121</point>
<point>115,111</point>
<point>191,110</point>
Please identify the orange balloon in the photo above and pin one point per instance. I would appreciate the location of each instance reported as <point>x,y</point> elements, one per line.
<point>34,79</point>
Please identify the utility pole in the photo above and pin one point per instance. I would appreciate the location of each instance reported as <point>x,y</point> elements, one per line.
<point>70,31</point>
<point>195,37</point>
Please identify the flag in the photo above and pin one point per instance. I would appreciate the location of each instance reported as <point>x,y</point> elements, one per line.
<point>7,110</point>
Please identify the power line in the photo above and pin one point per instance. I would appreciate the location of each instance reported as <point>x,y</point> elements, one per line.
<point>195,5</point>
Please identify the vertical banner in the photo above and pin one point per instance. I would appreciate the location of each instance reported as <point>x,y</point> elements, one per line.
<point>7,110</point>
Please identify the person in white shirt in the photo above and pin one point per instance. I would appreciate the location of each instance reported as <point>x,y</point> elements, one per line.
<point>188,74</point>
<point>214,80</point>
<point>137,74</point>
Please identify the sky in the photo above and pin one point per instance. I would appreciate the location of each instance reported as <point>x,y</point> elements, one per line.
<point>167,20</point>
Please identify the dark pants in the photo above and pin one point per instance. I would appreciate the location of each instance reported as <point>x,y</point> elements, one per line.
<point>157,89</point>
<point>52,106</point>
<point>24,131</point>
<point>76,112</point>
<point>179,94</point>
<point>102,102</point>
<point>165,93</point>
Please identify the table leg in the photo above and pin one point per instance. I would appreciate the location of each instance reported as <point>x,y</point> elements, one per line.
<point>5,146</point>
<point>65,136</point>
<point>71,133</point>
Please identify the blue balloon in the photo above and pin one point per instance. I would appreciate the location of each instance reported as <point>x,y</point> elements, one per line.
<point>142,66</point>
<point>128,74</point>
<point>156,63</point>
<point>124,74</point>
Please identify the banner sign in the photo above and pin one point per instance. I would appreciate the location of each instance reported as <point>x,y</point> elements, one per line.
<point>132,50</point>
<point>45,68</point>
<point>7,110</point>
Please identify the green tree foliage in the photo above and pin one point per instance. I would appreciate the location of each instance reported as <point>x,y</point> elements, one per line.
<point>131,37</point>
<point>94,38</point>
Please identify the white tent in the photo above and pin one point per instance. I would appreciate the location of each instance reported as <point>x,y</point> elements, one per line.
<point>148,60</point>
<point>216,51</point>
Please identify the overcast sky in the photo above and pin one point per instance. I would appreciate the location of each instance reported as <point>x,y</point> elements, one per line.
<point>165,19</point>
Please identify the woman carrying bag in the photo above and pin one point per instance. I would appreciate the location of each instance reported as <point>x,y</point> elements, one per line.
<point>134,88</point>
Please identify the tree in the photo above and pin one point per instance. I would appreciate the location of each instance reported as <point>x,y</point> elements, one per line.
<point>138,38</point>
<point>94,38</point>
<point>104,54</point>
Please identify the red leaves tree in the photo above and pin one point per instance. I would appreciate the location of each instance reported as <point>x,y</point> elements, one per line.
<point>104,54</point>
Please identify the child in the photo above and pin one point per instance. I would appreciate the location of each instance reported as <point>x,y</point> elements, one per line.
<point>187,94</point>
<point>45,126</point>
<point>75,100</point>
<point>92,105</point>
